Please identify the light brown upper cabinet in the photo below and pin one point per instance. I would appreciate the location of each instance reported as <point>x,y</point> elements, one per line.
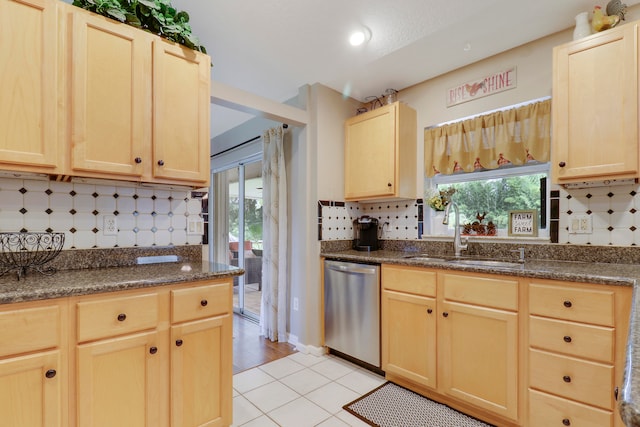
<point>595,107</point>
<point>110,109</point>
<point>380,154</point>
<point>28,83</point>
<point>181,103</point>
<point>139,106</point>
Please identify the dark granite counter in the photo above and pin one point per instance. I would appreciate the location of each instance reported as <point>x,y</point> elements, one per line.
<point>36,286</point>
<point>555,262</point>
<point>83,272</point>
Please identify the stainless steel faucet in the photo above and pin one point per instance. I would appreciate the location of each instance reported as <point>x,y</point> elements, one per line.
<point>458,246</point>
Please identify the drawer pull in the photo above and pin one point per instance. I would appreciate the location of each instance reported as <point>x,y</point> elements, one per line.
<point>615,393</point>
<point>178,342</point>
<point>429,310</point>
<point>50,373</point>
<point>121,317</point>
<point>153,350</point>
<point>567,304</point>
<point>445,314</point>
<point>562,164</point>
<point>567,338</point>
<point>566,422</point>
<point>138,160</point>
<point>160,162</point>
<point>566,379</point>
<point>204,302</point>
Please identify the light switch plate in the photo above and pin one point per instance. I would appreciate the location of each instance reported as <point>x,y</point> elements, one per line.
<point>195,226</point>
<point>580,224</point>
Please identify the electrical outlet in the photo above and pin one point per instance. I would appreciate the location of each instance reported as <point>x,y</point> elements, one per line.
<point>581,224</point>
<point>295,304</point>
<point>110,225</point>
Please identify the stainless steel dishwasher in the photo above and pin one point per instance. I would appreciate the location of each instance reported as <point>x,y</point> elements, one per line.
<point>352,310</point>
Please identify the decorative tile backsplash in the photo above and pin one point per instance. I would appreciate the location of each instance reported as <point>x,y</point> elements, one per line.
<point>614,213</point>
<point>145,216</point>
<point>396,220</point>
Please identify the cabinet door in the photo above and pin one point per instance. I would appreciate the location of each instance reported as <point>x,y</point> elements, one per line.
<point>28,106</point>
<point>595,111</point>
<point>110,96</point>
<point>409,337</point>
<point>479,356</point>
<point>201,397</point>
<point>30,390</point>
<point>119,382</point>
<point>370,154</point>
<point>181,103</point>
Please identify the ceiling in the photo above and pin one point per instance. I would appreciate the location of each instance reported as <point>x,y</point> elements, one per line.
<point>273,48</point>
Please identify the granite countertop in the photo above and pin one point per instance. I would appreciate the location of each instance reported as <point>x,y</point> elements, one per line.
<point>626,274</point>
<point>64,283</point>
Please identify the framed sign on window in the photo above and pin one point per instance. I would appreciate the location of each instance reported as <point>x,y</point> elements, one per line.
<point>523,223</point>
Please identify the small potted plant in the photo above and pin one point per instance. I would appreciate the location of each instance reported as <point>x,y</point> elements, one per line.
<point>156,16</point>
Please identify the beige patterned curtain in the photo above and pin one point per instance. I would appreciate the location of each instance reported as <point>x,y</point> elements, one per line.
<point>273,312</point>
<point>513,136</point>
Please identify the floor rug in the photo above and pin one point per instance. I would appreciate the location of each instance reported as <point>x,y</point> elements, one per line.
<point>393,406</point>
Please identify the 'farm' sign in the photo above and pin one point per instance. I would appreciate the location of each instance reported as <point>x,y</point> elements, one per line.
<point>494,83</point>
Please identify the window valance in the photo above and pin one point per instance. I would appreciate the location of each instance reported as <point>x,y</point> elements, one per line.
<point>515,136</point>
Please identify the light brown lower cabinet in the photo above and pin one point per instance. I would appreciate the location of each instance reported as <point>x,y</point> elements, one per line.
<point>155,357</point>
<point>511,351</point>
<point>33,374</point>
<point>577,342</point>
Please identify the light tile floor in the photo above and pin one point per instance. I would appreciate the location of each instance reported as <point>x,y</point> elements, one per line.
<point>300,390</point>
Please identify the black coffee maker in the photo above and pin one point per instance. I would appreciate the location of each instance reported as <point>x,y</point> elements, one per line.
<point>365,234</point>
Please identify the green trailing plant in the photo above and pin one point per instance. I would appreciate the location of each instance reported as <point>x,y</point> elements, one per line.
<point>155,16</point>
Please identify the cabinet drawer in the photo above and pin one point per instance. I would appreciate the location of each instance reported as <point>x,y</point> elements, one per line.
<point>487,291</point>
<point>409,279</point>
<point>101,318</point>
<point>575,339</point>
<point>29,329</point>
<point>199,302</point>
<point>577,304</point>
<point>587,382</point>
<point>549,411</point>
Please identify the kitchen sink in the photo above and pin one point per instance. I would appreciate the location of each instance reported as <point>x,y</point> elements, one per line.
<point>487,263</point>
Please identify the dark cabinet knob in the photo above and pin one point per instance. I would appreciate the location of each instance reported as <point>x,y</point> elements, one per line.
<point>178,342</point>
<point>566,422</point>
<point>566,379</point>
<point>121,317</point>
<point>50,373</point>
<point>567,338</point>
<point>138,160</point>
<point>153,350</point>
<point>567,304</point>
<point>445,314</point>
<point>160,162</point>
<point>389,184</point>
<point>615,393</point>
<point>429,310</point>
<point>204,302</point>
<point>562,164</point>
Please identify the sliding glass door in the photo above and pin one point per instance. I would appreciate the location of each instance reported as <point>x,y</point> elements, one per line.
<point>238,231</point>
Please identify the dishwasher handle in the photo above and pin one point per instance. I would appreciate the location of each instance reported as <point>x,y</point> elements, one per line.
<point>362,269</point>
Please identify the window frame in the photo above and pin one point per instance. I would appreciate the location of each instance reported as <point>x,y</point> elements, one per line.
<point>507,171</point>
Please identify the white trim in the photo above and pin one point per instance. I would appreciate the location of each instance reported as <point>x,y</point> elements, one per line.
<point>491,174</point>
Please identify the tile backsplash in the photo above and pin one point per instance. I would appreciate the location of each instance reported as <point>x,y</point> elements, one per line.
<point>145,216</point>
<point>396,220</point>
<point>614,213</point>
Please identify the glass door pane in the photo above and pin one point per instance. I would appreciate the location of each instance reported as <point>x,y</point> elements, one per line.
<point>238,209</point>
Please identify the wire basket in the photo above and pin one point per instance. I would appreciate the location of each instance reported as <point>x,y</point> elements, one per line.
<point>21,251</point>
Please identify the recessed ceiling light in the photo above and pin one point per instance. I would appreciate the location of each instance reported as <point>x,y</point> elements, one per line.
<point>360,36</point>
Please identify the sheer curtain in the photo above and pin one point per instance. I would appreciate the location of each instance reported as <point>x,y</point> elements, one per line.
<point>273,313</point>
<point>489,141</point>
